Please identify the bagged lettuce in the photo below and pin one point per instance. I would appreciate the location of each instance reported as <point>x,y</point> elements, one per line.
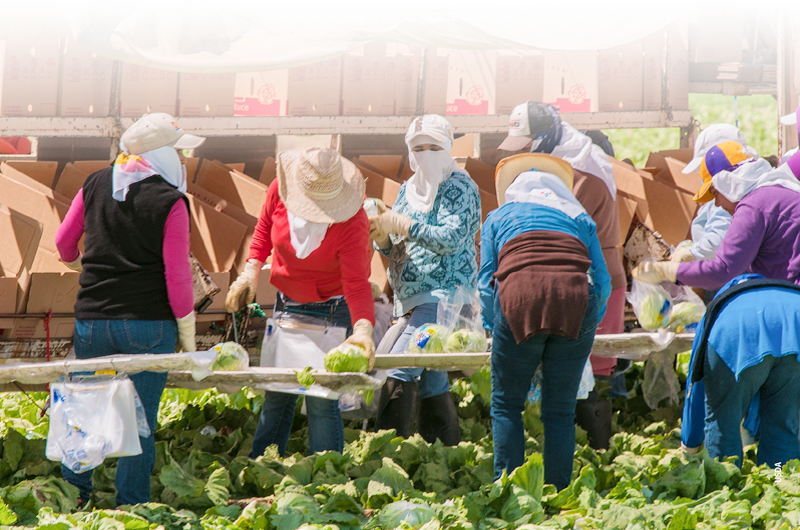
<point>429,338</point>
<point>465,340</point>
<point>346,358</point>
<point>651,303</point>
<point>231,357</point>
<point>685,316</point>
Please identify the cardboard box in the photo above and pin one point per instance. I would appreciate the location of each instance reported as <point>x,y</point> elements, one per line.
<point>261,93</point>
<point>236,188</point>
<point>570,80</point>
<point>70,181</point>
<point>619,77</point>
<point>627,211</point>
<point>718,38</point>
<point>368,81</point>
<point>378,266</point>
<point>206,94</point>
<point>407,80</point>
<point>629,183</point>
<point>191,168</point>
<point>378,185</point>
<point>145,90</point>
<point>215,237</point>
<point>471,82</point>
<point>33,328</point>
<point>269,172</point>
<point>90,166</point>
<point>315,90</point>
<point>670,211</point>
<point>237,166</point>
<point>19,239</point>
<point>223,281</point>
<point>266,293</point>
<point>43,172</point>
<point>56,291</point>
<point>482,174</point>
<point>85,82</point>
<point>30,75</point>
<point>394,166</point>
<point>674,42</point>
<point>519,78</point>
<point>669,171</point>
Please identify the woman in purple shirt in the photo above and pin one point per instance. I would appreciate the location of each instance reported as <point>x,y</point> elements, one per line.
<point>764,235</point>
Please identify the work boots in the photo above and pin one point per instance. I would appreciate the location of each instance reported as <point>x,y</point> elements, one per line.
<point>438,418</point>
<point>398,407</point>
<point>594,416</point>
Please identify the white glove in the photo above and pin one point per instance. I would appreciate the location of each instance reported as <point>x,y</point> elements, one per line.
<point>691,450</point>
<point>76,265</point>
<point>245,285</point>
<point>377,235</point>
<point>390,223</point>
<point>362,336</point>
<point>656,272</point>
<point>186,332</point>
<point>683,253</point>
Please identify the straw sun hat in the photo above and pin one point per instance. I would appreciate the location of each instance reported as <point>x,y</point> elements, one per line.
<point>318,185</point>
<point>509,168</point>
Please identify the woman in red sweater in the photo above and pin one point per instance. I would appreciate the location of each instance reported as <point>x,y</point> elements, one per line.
<point>314,225</point>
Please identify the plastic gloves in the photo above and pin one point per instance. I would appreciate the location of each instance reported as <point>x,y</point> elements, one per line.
<point>186,332</point>
<point>76,265</point>
<point>691,450</point>
<point>390,223</point>
<point>682,253</point>
<point>362,336</point>
<point>377,234</point>
<point>656,272</point>
<point>245,285</point>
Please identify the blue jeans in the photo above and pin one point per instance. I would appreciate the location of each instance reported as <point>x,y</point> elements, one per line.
<point>513,366</point>
<point>431,382</point>
<point>325,429</point>
<point>96,338</point>
<point>727,401</point>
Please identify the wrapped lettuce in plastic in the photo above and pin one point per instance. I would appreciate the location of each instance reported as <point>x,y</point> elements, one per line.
<point>465,340</point>
<point>346,358</point>
<point>231,357</point>
<point>685,315</point>
<point>651,303</point>
<point>429,338</point>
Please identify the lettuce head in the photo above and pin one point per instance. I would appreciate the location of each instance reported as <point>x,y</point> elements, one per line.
<point>346,358</point>
<point>429,338</point>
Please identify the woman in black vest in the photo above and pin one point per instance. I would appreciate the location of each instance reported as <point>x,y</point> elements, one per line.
<point>136,291</point>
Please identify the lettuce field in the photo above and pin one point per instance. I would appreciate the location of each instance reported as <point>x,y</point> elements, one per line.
<point>204,479</point>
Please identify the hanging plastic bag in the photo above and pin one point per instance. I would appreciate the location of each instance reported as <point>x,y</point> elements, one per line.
<point>92,418</point>
<point>687,309</point>
<point>651,304</point>
<point>460,313</point>
<point>660,379</point>
<point>587,381</point>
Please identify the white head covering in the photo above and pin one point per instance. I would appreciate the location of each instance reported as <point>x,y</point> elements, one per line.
<point>306,237</point>
<point>431,168</point>
<point>538,187</point>
<point>711,136</point>
<point>737,184</point>
<point>583,155</point>
<point>130,169</point>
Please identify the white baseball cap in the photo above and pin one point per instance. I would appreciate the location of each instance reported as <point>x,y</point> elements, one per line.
<point>155,130</point>
<point>711,136</point>
<point>432,126</point>
<point>790,119</point>
<point>525,122</point>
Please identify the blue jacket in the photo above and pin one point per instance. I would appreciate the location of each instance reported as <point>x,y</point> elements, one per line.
<point>750,326</point>
<point>515,218</point>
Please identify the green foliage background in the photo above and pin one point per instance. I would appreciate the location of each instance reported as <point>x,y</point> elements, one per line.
<point>758,120</point>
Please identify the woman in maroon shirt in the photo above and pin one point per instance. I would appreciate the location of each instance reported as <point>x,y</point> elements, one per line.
<point>318,234</point>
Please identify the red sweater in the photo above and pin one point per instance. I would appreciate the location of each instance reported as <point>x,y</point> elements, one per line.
<point>341,264</point>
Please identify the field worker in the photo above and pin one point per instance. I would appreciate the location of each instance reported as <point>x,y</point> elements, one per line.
<point>543,287</point>
<point>429,238</point>
<point>764,234</point>
<point>537,128</point>
<point>711,222</point>
<point>746,347</point>
<point>791,119</point>
<point>136,293</point>
<point>314,225</point>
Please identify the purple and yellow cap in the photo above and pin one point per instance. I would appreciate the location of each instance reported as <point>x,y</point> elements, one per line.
<point>721,157</point>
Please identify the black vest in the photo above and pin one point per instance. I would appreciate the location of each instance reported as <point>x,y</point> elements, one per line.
<point>123,264</point>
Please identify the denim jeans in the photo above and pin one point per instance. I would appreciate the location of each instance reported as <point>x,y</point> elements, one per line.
<point>431,382</point>
<point>513,366</point>
<point>727,401</point>
<point>325,429</point>
<point>96,338</point>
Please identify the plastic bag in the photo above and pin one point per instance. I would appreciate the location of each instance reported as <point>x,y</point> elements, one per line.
<point>660,379</point>
<point>651,304</point>
<point>586,384</point>
<point>460,313</point>
<point>92,418</point>
<point>429,338</point>
<point>231,357</point>
<point>687,310</point>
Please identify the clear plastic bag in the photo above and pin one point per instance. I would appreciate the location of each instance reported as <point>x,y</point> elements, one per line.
<point>651,304</point>
<point>586,385</point>
<point>687,309</point>
<point>460,313</point>
<point>231,357</point>
<point>660,379</point>
<point>92,418</point>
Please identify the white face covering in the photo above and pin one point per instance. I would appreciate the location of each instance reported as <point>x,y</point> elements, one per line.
<point>578,149</point>
<point>306,236</point>
<point>431,168</point>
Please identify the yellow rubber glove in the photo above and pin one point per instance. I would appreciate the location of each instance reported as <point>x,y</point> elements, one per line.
<point>186,332</point>
<point>76,265</point>
<point>244,286</point>
<point>656,272</point>
<point>362,336</point>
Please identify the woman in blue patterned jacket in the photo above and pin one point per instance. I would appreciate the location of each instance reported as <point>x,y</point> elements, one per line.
<point>429,237</point>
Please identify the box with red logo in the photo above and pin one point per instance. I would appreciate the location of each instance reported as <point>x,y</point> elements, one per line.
<point>570,80</point>
<point>144,90</point>
<point>471,82</point>
<point>261,93</point>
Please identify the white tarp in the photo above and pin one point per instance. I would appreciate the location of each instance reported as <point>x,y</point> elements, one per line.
<point>248,35</point>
